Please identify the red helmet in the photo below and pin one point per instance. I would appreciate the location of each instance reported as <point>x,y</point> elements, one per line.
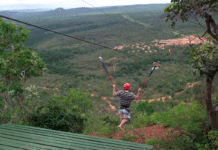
<point>126,86</point>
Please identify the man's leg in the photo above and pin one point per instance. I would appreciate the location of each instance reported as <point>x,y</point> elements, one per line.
<point>122,124</point>
<point>125,119</point>
<point>121,117</point>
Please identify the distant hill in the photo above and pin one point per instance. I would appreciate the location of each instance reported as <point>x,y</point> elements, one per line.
<point>30,10</point>
<point>61,11</point>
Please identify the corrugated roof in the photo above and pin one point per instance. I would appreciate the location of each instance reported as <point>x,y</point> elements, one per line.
<point>15,137</point>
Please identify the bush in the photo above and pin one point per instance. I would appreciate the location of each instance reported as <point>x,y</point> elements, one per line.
<point>57,118</point>
<point>139,119</point>
<point>128,137</point>
<point>75,101</point>
<point>191,121</point>
<point>2,103</point>
<point>180,142</point>
<point>188,141</point>
<point>159,106</point>
<point>93,123</point>
<point>152,141</point>
<point>110,124</point>
<point>193,115</point>
<point>63,112</point>
<point>145,106</point>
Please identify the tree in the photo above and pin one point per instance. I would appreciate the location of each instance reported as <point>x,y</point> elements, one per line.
<point>65,113</point>
<point>75,101</point>
<point>189,9</point>
<point>17,63</point>
<point>204,57</point>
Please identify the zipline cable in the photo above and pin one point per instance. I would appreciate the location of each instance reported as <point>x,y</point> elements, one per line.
<point>68,36</point>
<point>106,13</point>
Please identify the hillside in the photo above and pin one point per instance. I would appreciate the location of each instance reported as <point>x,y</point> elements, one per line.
<point>78,61</point>
<point>136,36</point>
<point>76,11</point>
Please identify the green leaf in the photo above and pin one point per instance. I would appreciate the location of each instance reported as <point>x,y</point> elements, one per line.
<point>211,56</point>
<point>198,145</point>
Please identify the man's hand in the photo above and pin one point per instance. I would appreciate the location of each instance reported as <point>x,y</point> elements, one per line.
<point>137,95</point>
<point>114,93</point>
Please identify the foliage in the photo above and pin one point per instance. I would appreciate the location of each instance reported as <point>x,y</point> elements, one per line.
<point>57,61</point>
<point>191,122</point>
<point>194,117</point>
<point>97,122</point>
<point>29,105</point>
<point>185,9</point>
<point>184,140</point>
<point>145,106</point>
<point>57,118</point>
<point>63,112</point>
<point>128,137</point>
<point>17,63</point>
<point>139,120</point>
<point>159,106</point>
<point>111,121</point>
<point>213,137</point>
<point>109,125</point>
<point>1,102</point>
<point>32,98</point>
<point>75,101</point>
<point>204,58</point>
<point>151,141</point>
<point>176,141</point>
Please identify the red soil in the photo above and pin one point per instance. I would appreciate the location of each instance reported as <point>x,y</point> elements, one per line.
<point>163,43</point>
<point>48,88</point>
<point>141,134</point>
<point>179,41</point>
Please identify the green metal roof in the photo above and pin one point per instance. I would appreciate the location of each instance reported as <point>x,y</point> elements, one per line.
<point>16,137</point>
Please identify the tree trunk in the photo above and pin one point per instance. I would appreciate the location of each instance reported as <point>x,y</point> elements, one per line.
<point>19,101</point>
<point>208,101</point>
<point>209,20</point>
<point>6,98</point>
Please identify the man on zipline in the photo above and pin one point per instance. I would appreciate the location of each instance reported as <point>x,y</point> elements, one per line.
<point>126,97</point>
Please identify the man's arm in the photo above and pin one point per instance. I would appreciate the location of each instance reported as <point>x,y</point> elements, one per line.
<point>137,96</point>
<point>114,93</point>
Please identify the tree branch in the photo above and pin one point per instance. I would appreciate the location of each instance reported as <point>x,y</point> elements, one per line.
<point>214,25</point>
<point>199,23</point>
<point>208,21</point>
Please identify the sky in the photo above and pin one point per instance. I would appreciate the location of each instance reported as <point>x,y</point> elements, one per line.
<point>67,4</point>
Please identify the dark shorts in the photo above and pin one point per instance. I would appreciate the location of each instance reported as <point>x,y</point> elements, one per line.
<point>125,113</point>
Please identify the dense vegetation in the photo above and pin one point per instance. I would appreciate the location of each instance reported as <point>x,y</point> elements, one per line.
<point>74,72</point>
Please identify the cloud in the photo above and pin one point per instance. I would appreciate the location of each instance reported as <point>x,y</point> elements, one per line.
<point>52,4</point>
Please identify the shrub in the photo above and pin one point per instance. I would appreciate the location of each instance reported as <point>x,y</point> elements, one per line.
<point>75,101</point>
<point>63,112</point>
<point>193,115</point>
<point>182,141</point>
<point>145,106</point>
<point>192,122</point>
<point>92,124</point>
<point>57,118</point>
<point>112,121</point>
<point>188,141</point>
<point>110,124</point>
<point>1,102</point>
<point>128,137</point>
<point>152,141</point>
